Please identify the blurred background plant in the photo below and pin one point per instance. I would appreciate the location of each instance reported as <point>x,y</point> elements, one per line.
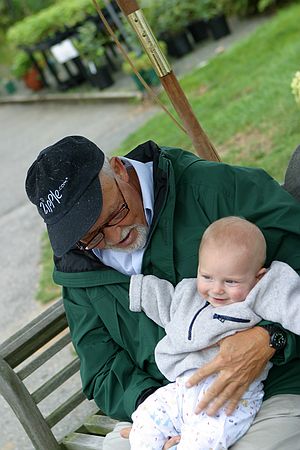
<point>12,11</point>
<point>90,44</point>
<point>25,23</point>
<point>22,63</point>
<point>295,85</point>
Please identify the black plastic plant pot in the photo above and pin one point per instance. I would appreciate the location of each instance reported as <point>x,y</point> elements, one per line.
<point>102,78</point>
<point>218,26</point>
<point>149,76</point>
<point>198,30</point>
<point>178,45</point>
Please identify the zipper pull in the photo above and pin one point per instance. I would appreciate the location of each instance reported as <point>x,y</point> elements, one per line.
<point>220,318</point>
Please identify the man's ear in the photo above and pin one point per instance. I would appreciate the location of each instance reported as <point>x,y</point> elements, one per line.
<point>119,168</point>
<point>261,273</point>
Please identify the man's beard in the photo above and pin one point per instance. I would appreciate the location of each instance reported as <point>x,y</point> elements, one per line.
<point>139,243</point>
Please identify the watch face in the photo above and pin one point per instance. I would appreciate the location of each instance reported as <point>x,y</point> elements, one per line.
<point>278,340</point>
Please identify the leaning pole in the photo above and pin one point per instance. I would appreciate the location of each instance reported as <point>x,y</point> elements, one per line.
<point>136,18</point>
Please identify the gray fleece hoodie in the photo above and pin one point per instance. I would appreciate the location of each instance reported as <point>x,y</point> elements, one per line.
<point>192,324</point>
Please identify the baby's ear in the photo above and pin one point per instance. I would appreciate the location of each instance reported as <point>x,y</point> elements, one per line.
<point>261,273</point>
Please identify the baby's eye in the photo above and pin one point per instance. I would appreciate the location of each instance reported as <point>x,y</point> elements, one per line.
<point>231,282</point>
<point>206,277</point>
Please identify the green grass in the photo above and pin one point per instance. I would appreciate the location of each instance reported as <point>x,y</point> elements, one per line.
<point>242,99</point>
<point>47,290</point>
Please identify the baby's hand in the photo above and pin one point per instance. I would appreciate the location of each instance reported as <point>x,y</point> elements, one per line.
<point>124,433</point>
<point>171,442</point>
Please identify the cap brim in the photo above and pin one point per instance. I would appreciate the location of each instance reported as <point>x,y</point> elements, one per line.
<point>75,224</point>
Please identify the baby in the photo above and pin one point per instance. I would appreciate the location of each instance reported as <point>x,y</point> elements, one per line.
<point>233,291</point>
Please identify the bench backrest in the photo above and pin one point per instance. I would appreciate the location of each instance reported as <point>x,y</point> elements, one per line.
<point>24,353</point>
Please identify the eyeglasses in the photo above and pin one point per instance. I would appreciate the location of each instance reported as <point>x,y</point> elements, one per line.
<point>113,220</point>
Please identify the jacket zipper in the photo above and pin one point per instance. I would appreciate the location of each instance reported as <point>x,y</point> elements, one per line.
<point>193,320</point>
<point>222,318</point>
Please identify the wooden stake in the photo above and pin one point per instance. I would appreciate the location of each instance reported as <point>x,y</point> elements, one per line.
<point>201,143</point>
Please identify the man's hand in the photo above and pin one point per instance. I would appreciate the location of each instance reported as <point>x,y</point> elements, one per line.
<point>169,443</point>
<point>241,358</point>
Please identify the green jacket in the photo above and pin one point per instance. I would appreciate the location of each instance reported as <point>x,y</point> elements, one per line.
<point>115,345</point>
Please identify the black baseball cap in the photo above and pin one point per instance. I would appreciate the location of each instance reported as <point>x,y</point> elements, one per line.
<point>64,185</point>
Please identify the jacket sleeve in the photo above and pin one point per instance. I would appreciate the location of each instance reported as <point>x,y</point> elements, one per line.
<point>277,297</point>
<point>109,373</point>
<point>277,213</point>
<point>153,296</point>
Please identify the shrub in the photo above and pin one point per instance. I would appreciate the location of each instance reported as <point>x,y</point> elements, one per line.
<point>21,64</point>
<point>47,22</point>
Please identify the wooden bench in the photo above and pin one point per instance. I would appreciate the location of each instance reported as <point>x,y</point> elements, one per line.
<point>26,352</point>
<point>41,340</point>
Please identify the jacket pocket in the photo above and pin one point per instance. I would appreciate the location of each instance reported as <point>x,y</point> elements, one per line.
<point>222,318</point>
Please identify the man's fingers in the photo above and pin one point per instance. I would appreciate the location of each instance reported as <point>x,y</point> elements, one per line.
<point>205,371</point>
<point>231,406</point>
<point>223,390</point>
<point>214,399</point>
<point>233,402</point>
<point>211,395</point>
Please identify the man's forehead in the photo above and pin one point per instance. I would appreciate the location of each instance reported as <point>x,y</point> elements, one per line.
<point>108,185</point>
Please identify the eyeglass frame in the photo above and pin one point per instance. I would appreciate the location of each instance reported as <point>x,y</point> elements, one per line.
<point>100,231</point>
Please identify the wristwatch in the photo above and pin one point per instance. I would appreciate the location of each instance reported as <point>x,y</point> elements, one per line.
<point>277,335</point>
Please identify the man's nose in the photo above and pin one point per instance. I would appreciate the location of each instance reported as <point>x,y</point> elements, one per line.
<point>112,235</point>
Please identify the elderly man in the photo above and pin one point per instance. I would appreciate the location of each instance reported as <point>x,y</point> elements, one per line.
<point>145,213</point>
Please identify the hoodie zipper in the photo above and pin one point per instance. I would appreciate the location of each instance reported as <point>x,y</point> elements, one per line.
<point>222,318</point>
<point>193,320</point>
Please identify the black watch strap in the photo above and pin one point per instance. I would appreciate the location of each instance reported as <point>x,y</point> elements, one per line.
<point>278,337</point>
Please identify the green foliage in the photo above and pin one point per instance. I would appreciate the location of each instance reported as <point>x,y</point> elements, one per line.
<point>210,8</point>
<point>65,13</point>
<point>141,60</point>
<point>262,5</point>
<point>13,10</point>
<point>249,7</point>
<point>21,64</point>
<point>169,16</point>
<point>172,16</point>
<point>6,54</point>
<point>89,43</point>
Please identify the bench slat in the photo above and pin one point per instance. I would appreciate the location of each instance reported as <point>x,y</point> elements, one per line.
<point>44,357</point>
<point>98,424</point>
<point>56,381</point>
<point>19,399</point>
<point>34,335</point>
<point>79,441</point>
<point>65,408</point>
